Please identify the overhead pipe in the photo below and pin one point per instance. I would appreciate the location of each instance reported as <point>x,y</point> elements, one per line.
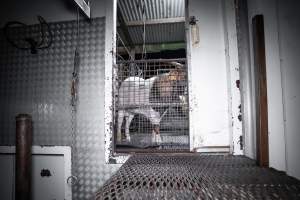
<point>23,157</point>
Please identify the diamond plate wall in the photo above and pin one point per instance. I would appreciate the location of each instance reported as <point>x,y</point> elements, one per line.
<point>40,85</point>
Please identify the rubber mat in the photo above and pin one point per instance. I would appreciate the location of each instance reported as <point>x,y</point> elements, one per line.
<point>194,176</point>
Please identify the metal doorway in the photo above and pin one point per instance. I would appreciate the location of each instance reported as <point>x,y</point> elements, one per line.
<point>151,105</point>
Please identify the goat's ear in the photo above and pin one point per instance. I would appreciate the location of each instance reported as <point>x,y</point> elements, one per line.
<point>177,65</point>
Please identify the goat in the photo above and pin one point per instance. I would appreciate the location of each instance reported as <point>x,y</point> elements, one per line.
<point>134,98</point>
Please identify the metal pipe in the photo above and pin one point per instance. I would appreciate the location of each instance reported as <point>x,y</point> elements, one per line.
<point>151,60</point>
<point>23,157</point>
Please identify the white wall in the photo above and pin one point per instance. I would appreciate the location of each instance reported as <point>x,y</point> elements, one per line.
<point>274,85</point>
<point>289,32</point>
<point>282,30</point>
<point>209,123</point>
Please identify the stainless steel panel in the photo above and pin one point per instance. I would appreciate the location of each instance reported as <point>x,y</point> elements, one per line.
<point>40,85</point>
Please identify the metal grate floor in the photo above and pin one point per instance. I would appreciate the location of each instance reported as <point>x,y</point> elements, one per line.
<point>194,176</point>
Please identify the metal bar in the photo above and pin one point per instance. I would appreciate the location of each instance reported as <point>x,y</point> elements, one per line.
<point>156,21</point>
<point>84,6</point>
<point>154,47</point>
<point>134,150</point>
<point>151,60</point>
<point>23,156</point>
<point>151,105</point>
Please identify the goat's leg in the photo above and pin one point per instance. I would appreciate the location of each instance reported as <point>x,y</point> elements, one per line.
<point>156,138</point>
<point>129,118</point>
<point>155,120</point>
<point>121,115</point>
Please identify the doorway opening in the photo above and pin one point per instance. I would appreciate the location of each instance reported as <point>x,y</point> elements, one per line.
<point>150,83</point>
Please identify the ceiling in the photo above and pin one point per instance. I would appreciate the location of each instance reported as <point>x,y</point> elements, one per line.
<point>164,21</point>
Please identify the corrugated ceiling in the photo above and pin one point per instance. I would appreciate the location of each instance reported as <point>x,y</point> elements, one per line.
<point>159,33</point>
<point>154,9</point>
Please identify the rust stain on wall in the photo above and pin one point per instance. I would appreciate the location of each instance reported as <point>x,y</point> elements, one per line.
<point>238,83</point>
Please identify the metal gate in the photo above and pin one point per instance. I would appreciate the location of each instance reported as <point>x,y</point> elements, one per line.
<point>151,105</point>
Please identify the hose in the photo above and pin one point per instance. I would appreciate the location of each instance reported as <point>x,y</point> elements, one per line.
<point>33,44</point>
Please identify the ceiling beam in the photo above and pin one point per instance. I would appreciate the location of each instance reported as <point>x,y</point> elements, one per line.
<point>124,28</point>
<point>156,21</point>
<point>154,47</point>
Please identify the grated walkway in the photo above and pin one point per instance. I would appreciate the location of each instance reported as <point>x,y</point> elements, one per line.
<point>194,176</point>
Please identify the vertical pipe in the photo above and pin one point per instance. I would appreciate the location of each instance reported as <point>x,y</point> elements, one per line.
<point>262,138</point>
<point>23,156</point>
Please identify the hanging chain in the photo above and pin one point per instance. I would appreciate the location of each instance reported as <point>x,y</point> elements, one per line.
<point>73,179</point>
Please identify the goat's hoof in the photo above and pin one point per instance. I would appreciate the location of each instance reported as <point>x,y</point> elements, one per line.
<point>156,139</point>
<point>119,138</point>
<point>153,139</point>
<point>128,139</point>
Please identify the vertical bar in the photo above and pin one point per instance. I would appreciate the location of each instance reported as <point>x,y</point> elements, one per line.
<point>23,156</point>
<point>261,93</point>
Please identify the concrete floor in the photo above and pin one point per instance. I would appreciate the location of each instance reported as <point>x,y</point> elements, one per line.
<point>194,176</point>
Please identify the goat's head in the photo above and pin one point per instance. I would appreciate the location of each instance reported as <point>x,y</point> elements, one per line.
<point>178,73</point>
<point>173,83</point>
